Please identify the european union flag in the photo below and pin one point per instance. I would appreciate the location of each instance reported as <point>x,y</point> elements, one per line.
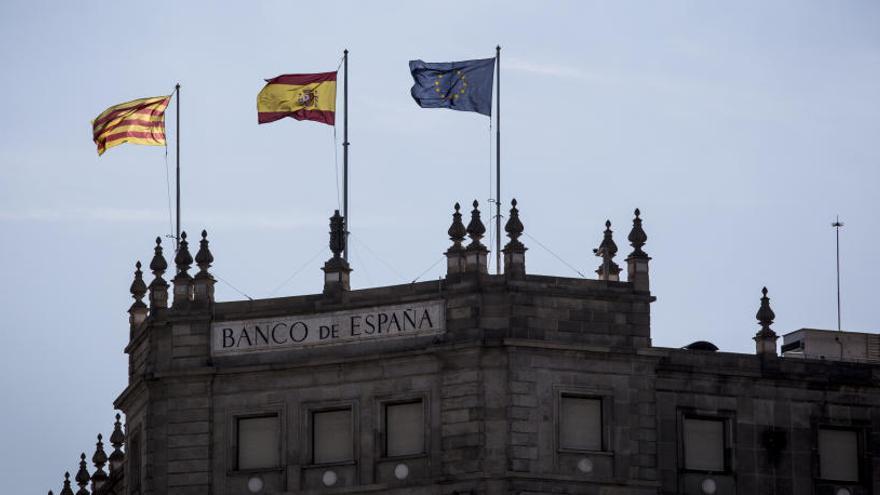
<point>465,85</point>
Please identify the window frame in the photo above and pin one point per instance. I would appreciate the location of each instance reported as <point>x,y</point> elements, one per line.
<point>237,437</point>
<point>383,425</point>
<point>232,418</point>
<point>860,446</point>
<point>605,418</point>
<point>727,420</point>
<point>310,432</point>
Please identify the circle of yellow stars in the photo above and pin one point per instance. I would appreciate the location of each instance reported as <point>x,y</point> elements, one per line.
<point>456,94</point>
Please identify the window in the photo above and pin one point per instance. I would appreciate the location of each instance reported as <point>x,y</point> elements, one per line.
<point>259,442</point>
<point>331,436</point>
<point>838,455</point>
<point>404,429</point>
<point>580,423</point>
<point>704,444</point>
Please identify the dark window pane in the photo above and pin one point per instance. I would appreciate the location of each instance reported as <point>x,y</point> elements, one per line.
<point>258,442</point>
<point>404,429</point>
<point>332,436</point>
<point>838,455</point>
<point>580,425</point>
<point>704,444</point>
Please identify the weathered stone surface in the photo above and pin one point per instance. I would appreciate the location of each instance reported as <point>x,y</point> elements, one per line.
<point>491,386</point>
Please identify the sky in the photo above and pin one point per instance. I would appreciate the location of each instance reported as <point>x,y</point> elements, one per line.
<point>740,129</point>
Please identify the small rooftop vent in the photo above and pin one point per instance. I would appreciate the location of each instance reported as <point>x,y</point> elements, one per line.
<point>701,345</point>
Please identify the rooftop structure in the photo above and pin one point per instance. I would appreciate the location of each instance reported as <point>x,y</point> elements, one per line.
<point>832,345</point>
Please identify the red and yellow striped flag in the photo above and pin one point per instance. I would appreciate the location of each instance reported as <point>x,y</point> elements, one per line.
<point>301,96</point>
<point>138,121</point>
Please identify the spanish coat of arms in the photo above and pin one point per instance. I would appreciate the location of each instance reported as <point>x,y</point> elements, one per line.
<point>308,98</point>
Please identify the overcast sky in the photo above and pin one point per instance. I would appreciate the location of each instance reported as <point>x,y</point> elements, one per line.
<point>740,130</point>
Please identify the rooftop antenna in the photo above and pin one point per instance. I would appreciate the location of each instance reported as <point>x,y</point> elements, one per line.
<point>837,225</point>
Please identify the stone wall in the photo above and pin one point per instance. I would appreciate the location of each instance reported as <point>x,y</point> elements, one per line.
<point>491,387</point>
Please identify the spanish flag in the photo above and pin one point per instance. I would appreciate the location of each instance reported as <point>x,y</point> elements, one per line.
<point>138,121</point>
<point>301,96</point>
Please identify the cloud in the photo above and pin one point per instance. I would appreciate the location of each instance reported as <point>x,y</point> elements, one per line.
<point>552,70</point>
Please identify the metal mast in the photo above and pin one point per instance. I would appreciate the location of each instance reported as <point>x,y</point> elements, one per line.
<point>345,154</point>
<point>498,161</point>
<point>837,225</point>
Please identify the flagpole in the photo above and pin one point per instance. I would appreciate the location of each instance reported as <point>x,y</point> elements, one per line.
<point>177,238</point>
<point>498,162</point>
<point>345,154</point>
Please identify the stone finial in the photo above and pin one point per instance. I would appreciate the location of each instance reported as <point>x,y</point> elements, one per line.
<point>765,314</point>
<point>637,237</point>
<point>608,270</point>
<point>457,231</point>
<point>182,281</point>
<point>765,339</point>
<point>183,259</point>
<point>204,258</point>
<point>158,263</point>
<point>514,226</point>
<point>476,257</point>
<point>475,228</point>
<point>158,288</point>
<point>99,459</point>
<point>514,251</point>
<point>637,262</point>
<point>117,439</point>
<point>82,476</point>
<point>608,246</point>
<point>455,260</point>
<point>336,269</point>
<point>337,234</point>
<point>203,285</point>
<point>66,489</point>
<point>138,310</point>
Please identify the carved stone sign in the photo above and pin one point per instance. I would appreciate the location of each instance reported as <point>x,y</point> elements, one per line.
<point>291,332</point>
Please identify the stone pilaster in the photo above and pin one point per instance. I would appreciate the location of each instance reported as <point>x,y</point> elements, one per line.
<point>183,281</point>
<point>765,339</point>
<point>137,313</point>
<point>337,270</point>
<point>608,270</point>
<point>158,287</point>
<point>203,282</point>
<point>455,255</point>
<point>476,254</point>
<point>637,262</point>
<point>514,251</point>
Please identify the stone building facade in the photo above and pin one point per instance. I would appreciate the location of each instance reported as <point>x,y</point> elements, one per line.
<point>473,384</point>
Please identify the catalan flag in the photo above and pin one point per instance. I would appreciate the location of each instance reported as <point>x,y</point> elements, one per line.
<point>138,121</point>
<point>300,96</point>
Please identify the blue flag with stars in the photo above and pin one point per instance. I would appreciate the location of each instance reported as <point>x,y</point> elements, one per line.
<point>465,85</point>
